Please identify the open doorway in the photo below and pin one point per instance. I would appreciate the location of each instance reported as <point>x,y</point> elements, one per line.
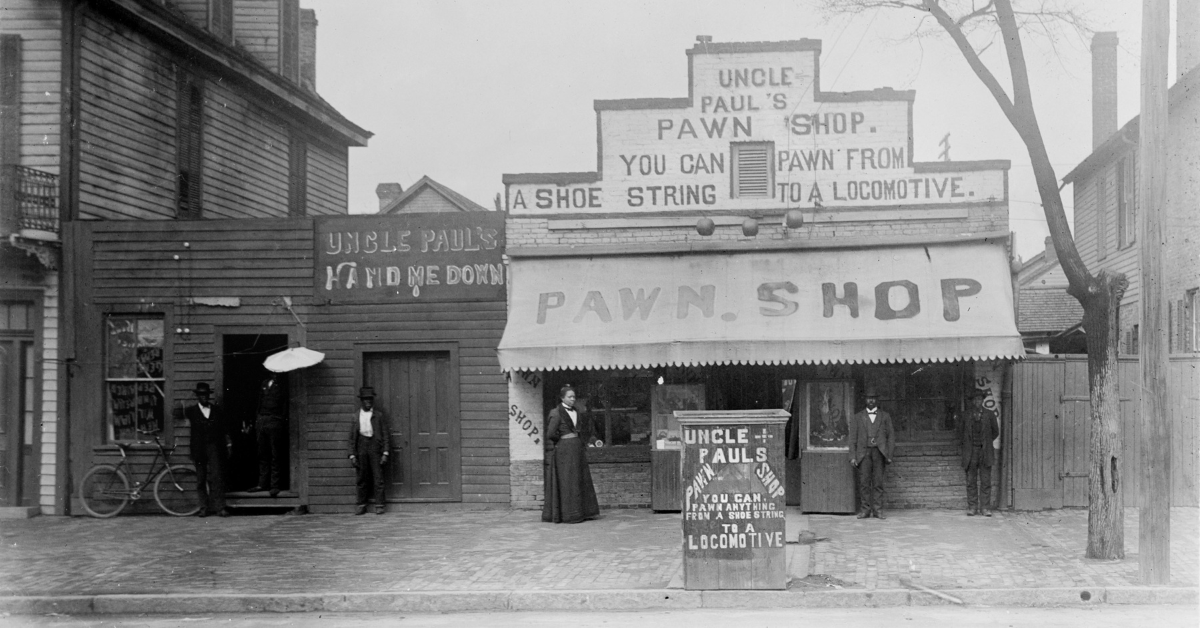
<point>243,374</point>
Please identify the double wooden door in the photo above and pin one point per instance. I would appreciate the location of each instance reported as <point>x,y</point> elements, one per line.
<point>418,390</point>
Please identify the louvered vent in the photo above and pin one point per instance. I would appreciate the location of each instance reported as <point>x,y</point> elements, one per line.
<point>752,170</point>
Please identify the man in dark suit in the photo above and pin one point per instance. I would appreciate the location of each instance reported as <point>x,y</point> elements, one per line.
<point>871,440</point>
<point>369,444</point>
<point>976,431</point>
<point>210,444</point>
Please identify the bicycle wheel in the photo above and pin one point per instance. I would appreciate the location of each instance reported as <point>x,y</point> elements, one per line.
<point>175,490</point>
<point>104,491</point>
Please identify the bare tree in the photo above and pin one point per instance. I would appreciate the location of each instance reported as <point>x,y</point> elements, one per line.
<point>974,25</point>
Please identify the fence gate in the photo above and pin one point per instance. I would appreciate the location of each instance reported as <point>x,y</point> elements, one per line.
<point>1051,431</point>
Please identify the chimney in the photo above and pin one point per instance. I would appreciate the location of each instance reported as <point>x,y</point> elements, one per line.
<point>1187,29</point>
<point>1051,254</point>
<point>387,192</point>
<point>308,49</point>
<point>1104,87</point>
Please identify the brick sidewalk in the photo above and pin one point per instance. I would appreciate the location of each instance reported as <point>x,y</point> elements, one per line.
<point>505,550</point>
<point>943,549</point>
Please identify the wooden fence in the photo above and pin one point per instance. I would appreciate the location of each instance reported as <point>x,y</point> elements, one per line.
<point>1051,428</point>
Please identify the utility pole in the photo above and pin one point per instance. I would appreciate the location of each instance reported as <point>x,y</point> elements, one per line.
<point>1154,521</point>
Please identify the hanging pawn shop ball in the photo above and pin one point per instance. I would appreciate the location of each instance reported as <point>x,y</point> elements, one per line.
<point>794,219</point>
<point>750,227</point>
<point>705,226</point>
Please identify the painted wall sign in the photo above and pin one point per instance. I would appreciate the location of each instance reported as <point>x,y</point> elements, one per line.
<point>402,258</point>
<point>817,149</point>
<point>734,499</point>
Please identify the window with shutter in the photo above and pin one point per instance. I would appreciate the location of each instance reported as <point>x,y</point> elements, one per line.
<point>289,39</point>
<point>297,174</point>
<point>753,175</point>
<point>1127,201</point>
<point>189,134</point>
<point>1101,216</point>
<point>220,19</point>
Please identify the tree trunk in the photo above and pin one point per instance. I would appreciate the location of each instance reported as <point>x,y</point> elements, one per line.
<point>1106,506</point>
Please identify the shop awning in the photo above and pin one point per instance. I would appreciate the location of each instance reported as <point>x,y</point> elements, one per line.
<point>931,303</point>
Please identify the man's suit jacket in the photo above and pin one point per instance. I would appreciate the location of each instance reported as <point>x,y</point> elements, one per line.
<point>988,420</point>
<point>208,435</point>
<point>860,425</point>
<point>380,436</point>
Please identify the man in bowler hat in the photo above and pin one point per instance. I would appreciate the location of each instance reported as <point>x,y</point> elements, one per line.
<point>210,445</point>
<point>369,443</point>
<point>976,431</point>
<point>871,439</point>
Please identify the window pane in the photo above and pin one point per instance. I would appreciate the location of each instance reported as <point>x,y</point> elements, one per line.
<point>150,348</point>
<point>122,410</point>
<point>121,353</point>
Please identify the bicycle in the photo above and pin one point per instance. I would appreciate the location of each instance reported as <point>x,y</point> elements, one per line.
<point>105,490</point>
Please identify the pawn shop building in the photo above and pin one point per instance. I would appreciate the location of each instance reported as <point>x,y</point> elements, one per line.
<point>759,244</point>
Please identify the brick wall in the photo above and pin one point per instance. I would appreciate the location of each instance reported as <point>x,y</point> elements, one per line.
<point>531,232</point>
<point>618,484</point>
<point>927,476</point>
<point>526,489</point>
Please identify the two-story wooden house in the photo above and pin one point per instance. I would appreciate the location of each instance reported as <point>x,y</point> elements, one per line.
<point>1106,196</point>
<point>759,243</point>
<point>147,147</point>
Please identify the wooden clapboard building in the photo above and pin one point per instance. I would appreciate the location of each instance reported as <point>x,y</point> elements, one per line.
<point>148,146</point>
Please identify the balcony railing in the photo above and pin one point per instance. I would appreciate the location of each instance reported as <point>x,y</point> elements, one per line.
<point>32,200</point>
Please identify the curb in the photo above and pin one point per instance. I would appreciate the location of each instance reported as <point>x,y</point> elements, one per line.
<point>595,600</point>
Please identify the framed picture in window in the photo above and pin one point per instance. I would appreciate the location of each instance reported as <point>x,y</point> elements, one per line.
<point>827,410</point>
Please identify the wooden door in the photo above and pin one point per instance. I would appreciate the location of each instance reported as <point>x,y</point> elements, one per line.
<point>18,469</point>
<point>826,475</point>
<point>1037,436</point>
<point>419,393</point>
<point>1076,434</point>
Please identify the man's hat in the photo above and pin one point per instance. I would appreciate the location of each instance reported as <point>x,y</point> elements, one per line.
<point>203,389</point>
<point>871,393</point>
<point>366,392</point>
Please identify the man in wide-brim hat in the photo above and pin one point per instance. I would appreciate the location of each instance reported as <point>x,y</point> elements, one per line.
<point>976,431</point>
<point>209,450</point>
<point>871,440</point>
<point>369,443</point>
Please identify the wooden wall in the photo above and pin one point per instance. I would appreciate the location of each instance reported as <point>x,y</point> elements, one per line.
<point>131,267</point>
<point>1052,427</point>
<point>256,27</point>
<point>127,133</point>
<point>40,27</point>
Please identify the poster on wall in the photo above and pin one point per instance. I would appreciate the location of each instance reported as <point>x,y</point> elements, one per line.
<point>829,406</point>
<point>410,258</point>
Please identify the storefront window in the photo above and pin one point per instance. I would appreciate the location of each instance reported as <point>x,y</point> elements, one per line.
<point>616,402</point>
<point>134,378</point>
<point>922,399</point>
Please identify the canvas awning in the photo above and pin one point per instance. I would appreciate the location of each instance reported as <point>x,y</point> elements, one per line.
<point>931,303</point>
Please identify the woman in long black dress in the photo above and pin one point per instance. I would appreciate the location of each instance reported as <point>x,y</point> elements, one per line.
<point>570,494</point>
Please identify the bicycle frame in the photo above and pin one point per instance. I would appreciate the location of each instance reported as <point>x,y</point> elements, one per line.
<point>162,453</point>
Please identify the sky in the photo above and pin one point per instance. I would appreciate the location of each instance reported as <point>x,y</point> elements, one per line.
<point>466,91</point>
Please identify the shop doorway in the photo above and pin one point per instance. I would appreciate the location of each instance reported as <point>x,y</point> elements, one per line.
<point>242,375</point>
<point>18,392</point>
<point>418,391</point>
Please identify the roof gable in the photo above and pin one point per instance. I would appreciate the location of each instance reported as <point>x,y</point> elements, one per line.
<point>429,196</point>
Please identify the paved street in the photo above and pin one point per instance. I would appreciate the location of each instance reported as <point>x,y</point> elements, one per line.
<point>977,617</point>
<point>504,550</point>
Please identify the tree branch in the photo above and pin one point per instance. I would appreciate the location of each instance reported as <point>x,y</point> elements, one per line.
<point>968,51</point>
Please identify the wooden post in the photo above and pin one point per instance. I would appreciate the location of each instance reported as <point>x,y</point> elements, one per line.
<point>1154,534</point>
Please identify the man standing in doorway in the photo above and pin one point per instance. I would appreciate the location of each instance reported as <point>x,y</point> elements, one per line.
<point>871,439</point>
<point>210,443</point>
<point>272,430</point>
<point>369,443</point>
<point>976,431</point>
